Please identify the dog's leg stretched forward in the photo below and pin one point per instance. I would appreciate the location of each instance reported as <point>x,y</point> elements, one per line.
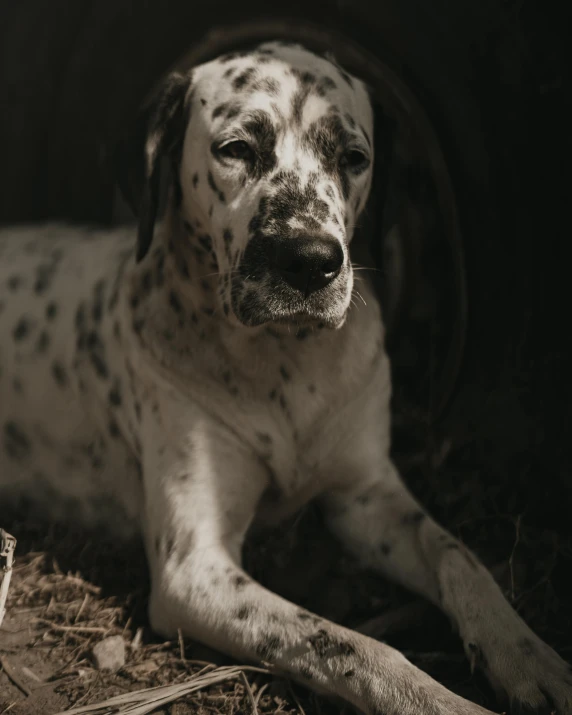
<point>385,527</point>
<point>201,493</point>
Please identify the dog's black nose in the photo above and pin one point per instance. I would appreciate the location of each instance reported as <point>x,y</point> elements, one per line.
<point>308,264</point>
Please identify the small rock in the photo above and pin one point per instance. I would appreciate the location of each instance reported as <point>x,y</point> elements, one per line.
<point>109,654</point>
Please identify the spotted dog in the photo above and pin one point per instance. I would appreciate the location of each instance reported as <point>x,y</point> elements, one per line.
<point>212,367</point>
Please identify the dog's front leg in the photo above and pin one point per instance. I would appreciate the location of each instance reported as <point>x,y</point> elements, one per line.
<point>202,487</point>
<point>377,518</point>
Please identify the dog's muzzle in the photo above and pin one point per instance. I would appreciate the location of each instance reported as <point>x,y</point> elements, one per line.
<point>291,277</point>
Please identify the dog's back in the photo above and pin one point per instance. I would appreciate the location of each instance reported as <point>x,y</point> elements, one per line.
<point>56,283</point>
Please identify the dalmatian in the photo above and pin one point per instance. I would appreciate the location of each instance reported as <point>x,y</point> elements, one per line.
<point>211,367</point>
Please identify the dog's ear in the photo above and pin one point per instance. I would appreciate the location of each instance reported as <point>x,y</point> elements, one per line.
<point>157,134</point>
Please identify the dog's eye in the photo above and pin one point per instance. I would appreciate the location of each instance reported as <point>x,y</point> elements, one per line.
<point>237,150</point>
<point>354,159</point>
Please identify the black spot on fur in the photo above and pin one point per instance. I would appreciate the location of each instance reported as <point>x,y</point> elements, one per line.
<point>239,581</point>
<point>261,128</point>
<point>527,647</point>
<point>59,374</point>
<point>304,77</point>
<point>44,275</point>
<point>326,645</point>
<point>218,111</point>
<point>215,188</point>
<point>350,120</point>
<point>325,85</point>
<point>146,282</point>
<point>195,180</point>
<point>43,342</point>
<point>113,429</point>
<point>97,307</point>
<point>264,438</point>
<point>413,518</point>
<point>298,101</point>
<point>169,546</point>
<point>364,499</point>
<point>244,613</point>
<point>79,319</point>
<point>175,302</point>
<point>268,85</point>
<point>183,270</point>
<point>273,394</point>
<point>114,394</point>
<point>160,270</point>
<point>14,282</point>
<point>285,374</point>
<point>96,349</point>
<point>51,310</point>
<point>307,616</point>
<point>349,673</point>
<point>206,242</point>
<point>21,330</point>
<point>138,325</point>
<point>327,137</point>
<point>291,200</point>
<point>16,443</point>
<point>385,548</point>
<point>269,646</point>
<point>241,80</point>
<point>233,111</point>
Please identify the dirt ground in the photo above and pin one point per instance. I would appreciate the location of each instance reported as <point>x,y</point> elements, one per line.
<point>70,589</point>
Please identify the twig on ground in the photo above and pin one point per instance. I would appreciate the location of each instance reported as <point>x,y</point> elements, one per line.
<point>296,700</point>
<point>141,702</point>
<point>13,677</point>
<point>249,693</point>
<point>181,645</point>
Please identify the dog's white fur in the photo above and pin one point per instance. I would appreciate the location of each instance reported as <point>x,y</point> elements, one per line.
<point>129,392</point>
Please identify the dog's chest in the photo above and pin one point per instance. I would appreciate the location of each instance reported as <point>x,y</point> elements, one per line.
<point>281,393</point>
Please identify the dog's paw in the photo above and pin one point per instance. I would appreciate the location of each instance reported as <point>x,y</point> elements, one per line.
<point>524,670</point>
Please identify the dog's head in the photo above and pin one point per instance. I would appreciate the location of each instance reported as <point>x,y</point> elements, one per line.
<point>272,154</point>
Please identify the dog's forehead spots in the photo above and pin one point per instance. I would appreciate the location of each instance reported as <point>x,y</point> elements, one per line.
<point>291,82</point>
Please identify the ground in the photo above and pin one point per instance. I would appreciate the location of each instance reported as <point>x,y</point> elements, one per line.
<point>70,589</point>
